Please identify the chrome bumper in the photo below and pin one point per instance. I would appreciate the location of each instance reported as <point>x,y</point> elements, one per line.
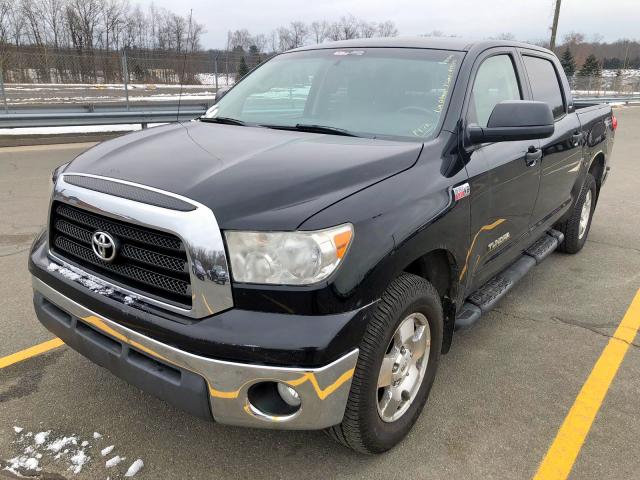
<point>323,391</point>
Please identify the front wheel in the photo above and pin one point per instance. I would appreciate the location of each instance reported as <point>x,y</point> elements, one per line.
<point>397,364</point>
<point>576,227</point>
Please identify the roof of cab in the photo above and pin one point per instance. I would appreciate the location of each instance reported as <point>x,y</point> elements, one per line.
<point>439,43</point>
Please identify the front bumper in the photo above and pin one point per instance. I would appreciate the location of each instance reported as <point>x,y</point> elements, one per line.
<point>193,382</point>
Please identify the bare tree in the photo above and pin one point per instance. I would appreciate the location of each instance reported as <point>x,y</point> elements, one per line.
<point>387,29</point>
<point>16,25</point>
<point>5,27</point>
<point>53,17</point>
<point>504,36</point>
<point>573,38</point>
<point>348,27</point>
<point>274,39</point>
<point>319,31</point>
<point>83,17</point>
<point>284,39</point>
<point>34,27</point>
<point>195,33</point>
<point>260,42</point>
<point>334,32</point>
<point>114,13</point>
<point>367,29</point>
<point>299,33</point>
<point>239,39</point>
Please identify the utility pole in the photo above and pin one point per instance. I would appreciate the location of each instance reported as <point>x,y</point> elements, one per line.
<point>125,75</point>
<point>2,94</point>
<point>554,27</point>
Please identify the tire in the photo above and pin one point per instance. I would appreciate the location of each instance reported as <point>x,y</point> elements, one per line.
<point>574,238</point>
<point>362,428</point>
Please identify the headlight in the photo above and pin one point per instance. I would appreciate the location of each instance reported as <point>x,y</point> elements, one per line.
<point>287,258</point>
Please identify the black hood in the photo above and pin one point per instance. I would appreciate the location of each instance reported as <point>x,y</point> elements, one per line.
<point>251,177</point>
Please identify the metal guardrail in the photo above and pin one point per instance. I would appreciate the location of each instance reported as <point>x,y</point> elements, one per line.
<point>167,112</point>
<point>608,99</point>
<point>76,115</point>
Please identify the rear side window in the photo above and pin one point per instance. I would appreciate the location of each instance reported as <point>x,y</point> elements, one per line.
<point>495,81</point>
<point>544,83</point>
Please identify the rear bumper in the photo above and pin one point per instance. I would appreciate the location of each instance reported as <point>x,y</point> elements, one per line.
<point>192,382</point>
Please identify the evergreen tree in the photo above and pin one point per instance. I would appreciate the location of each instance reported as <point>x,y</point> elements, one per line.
<point>243,69</point>
<point>591,67</point>
<point>568,63</point>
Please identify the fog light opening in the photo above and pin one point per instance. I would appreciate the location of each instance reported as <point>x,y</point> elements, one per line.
<point>274,399</point>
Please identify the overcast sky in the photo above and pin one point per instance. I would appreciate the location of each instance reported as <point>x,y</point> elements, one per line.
<point>526,19</point>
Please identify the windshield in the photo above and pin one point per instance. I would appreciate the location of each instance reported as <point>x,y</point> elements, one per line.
<point>372,92</point>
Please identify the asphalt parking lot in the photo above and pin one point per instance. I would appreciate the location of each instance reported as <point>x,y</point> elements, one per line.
<point>499,399</point>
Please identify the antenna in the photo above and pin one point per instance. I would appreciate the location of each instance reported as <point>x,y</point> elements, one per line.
<point>184,65</point>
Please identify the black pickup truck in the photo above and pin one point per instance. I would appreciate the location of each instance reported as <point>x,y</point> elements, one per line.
<point>300,256</point>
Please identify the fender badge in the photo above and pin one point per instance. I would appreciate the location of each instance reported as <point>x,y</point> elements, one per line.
<point>498,241</point>
<point>461,191</point>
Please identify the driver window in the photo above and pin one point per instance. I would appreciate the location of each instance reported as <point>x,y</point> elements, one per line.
<point>495,81</point>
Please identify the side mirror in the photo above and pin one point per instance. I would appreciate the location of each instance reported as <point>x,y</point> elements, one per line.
<point>222,91</point>
<point>515,120</point>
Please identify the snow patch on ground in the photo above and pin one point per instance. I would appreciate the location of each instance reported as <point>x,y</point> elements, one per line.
<point>112,462</point>
<point>61,443</point>
<point>41,437</point>
<point>22,463</point>
<point>107,450</point>
<point>127,127</point>
<point>71,452</point>
<point>134,468</point>
<point>78,461</point>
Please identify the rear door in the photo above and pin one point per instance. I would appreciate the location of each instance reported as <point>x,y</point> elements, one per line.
<point>562,152</point>
<point>503,185</point>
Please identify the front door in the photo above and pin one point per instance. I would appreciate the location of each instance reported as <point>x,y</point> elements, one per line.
<point>504,184</point>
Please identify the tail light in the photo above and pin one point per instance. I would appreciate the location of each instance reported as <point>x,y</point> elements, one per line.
<point>614,122</point>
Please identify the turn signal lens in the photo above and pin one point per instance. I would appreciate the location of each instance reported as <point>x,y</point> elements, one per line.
<point>341,242</point>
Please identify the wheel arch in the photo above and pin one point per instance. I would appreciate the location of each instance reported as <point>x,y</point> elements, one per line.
<point>596,168</point>
<point>440,268</point>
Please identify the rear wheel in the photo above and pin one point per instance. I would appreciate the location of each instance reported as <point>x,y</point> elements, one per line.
<point>576,227</point>
<point>398,359</point>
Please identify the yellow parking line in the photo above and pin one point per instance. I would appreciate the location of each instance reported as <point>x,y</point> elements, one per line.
<point>564,450</point>
<point>30,352</point>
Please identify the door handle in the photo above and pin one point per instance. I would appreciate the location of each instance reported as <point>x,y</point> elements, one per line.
<point>532,156</point>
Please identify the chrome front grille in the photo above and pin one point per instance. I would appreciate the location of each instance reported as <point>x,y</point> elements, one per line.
<point>169,248</point>
<point>152,262</point>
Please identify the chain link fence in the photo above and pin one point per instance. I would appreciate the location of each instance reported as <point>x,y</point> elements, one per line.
<point>33,77</point>
<point>623,83</point>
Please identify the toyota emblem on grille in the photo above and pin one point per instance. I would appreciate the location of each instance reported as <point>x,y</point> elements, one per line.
<point>104,246</point>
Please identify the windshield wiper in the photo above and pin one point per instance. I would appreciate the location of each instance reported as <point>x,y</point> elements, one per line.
<point>303,127</point>
<point>223,120</point>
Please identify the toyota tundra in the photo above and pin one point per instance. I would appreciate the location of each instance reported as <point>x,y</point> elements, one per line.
<point>300,256</point>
